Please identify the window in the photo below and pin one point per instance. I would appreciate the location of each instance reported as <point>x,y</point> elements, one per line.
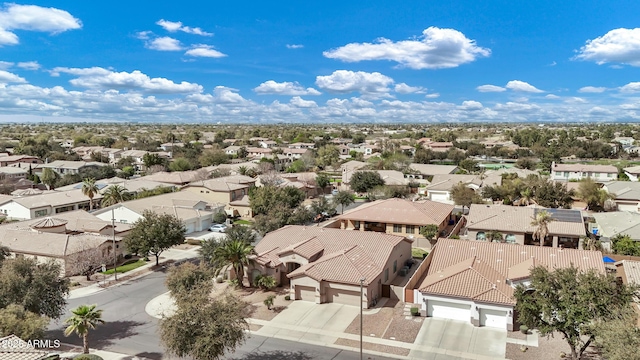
<point>395,266</point>
<point>41,213</point>
<point>123,221</point>
<point>356,225</point>
<point>609,175</point>
<point>481,236</point>
<point>566,174</point>
<point>510,239</point>
<point>386,275</point>
<point>397,228</point>
<point>410,229</point>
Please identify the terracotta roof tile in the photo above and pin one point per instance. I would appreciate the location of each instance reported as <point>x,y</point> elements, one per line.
<point>400,211</point>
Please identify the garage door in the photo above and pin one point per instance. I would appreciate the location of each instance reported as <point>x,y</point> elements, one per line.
<point>346,297</point>
<point>191,227</point>
<point>446,310</point>
<point>307,293</point>
<point>493,318</point>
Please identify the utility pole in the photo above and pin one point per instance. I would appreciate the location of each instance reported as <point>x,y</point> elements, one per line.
<point>361,290</point>
<point>115,253</point>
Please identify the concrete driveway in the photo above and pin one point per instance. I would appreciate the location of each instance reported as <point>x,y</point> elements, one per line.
<point>459,339</point>
<point>206,235</point>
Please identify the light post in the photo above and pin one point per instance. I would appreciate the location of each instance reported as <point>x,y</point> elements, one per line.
<point>361,291</point>
<point>115,253</point>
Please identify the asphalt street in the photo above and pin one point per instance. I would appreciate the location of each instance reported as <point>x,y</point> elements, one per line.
<point>130,330</point>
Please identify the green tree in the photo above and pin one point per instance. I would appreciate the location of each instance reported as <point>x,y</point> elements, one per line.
<point>38,287</point>
<point>322,181</point>
<point>327,155</point>
<point>322,206</point>
<point>14,319</point>
<point>623,244</point>
<point>429,231</point>
<point>184,279</point>
<point>127,172</point>
<point>204,328</point>
<point>234,253</point>
<point>591,193</point>
<point>265,198</point>
<point>115,194</point>
<point>465,196</point>
<point>151,159</point>
<point>571,302</point>
<point>363,181</point>
<point>84,318</point>
<point>4,254</point>
<point>526,163</point>
<point>541,222</point>
<point>344,198</point>
<point>471,166</point>
<point>49,178</point>
<point>494,236</point>
<point>242,152</point>
<point>618,339</point>
<point>90,189</point>
<point>213,157</point>
<point>154,233</point>
<point>180,164</point>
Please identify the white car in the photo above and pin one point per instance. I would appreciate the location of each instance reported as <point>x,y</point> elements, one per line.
<point>218,228</point>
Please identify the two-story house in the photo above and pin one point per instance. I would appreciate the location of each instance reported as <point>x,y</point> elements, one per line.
<point>230,191</point>
<point>599,173</point>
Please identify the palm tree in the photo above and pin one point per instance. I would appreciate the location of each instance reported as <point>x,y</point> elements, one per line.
<point>494,236</point>
<point>526,197</point>
<point>541,222</point>
<point>115,194</point>
<point>231,252</point>
<point>85,318</point>
<point>89,189</point>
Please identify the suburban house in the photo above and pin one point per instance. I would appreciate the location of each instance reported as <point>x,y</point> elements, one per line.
<point>441,185</point>
<point>267,144</point>
<point>600,173</point>
<point>63,238</point>
<point>514,223</point>
<point>64,167</point>
<point>136,155</point>
<point>474,281</point>
<point>258,152</point>
<point>225,190</point>
<point>628,271</point>
<point>14,159</point>
<point>46,204</point>
<point>438,146</point>
<point>295,154</point>
<point>301,145</point>
<point>349,168</point>
<point>12,173</point>
<point>192,209</point>
<point>177,177</point>
<point>432,170</point>
<point>400,217</point>
<point>627,194</point>
<point>607,225</point>
<point>133,186</point>
<point>232,150</point>
<point>632,172</point>
<point>324,265</point>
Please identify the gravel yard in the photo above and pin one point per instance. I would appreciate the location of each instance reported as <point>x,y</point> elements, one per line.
<point>548,348</point>
<point>388,323</point>
<point>255,298</point>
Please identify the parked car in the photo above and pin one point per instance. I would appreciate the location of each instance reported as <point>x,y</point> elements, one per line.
<point>218,228</point>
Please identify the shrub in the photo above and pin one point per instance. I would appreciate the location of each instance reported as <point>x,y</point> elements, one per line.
<point>287,297</point>
<point>269,301</point>
<point>256,280</point>
<point>524,329</point>
<point>233,283</point>
<point>88,357</point>
<point>454,236</point>
<point>194,242</point>
<point>415,311</point>
<point>219,217</point>
<point>266,282</point>
<point>127,256</point>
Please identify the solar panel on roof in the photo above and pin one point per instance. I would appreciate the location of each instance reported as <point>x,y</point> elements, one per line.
<point>564,215</point>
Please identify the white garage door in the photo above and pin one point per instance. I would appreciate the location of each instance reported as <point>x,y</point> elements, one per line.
<point>439,197</point>
<point>346,297</point>
<point>191,227</point>
<point>307,293</point>
<point>446,310</point>
<point>493,318</point>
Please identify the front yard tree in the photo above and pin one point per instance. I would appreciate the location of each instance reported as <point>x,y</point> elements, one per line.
<point>86,260</point>
<point>154,233</point>
<point>619,339</point>
<point>234,253</point>
<point>84,318</point>
<point>571,302</point>
<point>14,319</point>
<point>322,181</point>
<point>184,279</point>
<point>465,196</point>
<point>204,328</point>
<point>344,198</point>
<point>363,181</point>
<point>38,287</point>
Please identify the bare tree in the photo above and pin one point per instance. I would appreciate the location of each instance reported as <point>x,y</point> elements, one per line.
<point>271,178</point>
<point>86,260</point>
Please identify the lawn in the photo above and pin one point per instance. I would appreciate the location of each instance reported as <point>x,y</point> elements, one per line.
<point>243,222</point>
<point>418,253</point>
<point>126,267</point>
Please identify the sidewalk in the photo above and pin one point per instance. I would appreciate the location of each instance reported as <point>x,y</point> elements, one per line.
<point>167,255</point>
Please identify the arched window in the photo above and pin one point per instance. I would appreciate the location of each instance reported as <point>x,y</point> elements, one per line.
<point>480,235</point>
<point>510,239</point>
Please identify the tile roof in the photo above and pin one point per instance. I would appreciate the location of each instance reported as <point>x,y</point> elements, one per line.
<point>64,164</point>
<point>179,203</point>
<point>480,270</point>
<point>400,211</point>
<point>585,168</point>
<point>624,190</point>
<point>54,198</point>
<point>14,348</point>
<point>345,255</point>
<point>177,177</point>
<point>445,182</point>
<point>631,271</point>
<point>392,177</point>
<point>517,220</point>
<point>431,169</point>
<point>632,169</point>
<point>225,184</point>
<point>76,221</point>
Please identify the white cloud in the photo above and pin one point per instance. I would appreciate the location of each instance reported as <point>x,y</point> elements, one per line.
<point>575,100</point>
<point>403,88</point>
<point>297,101</point>
<point>284,88</point>
<point>436,49</point>
<point>172,26</point>
<point>618,46</point>
<point>144,35</point>
<point>490,88</point>
<point>432,96</point>
<point>202,50</point>
<point>552,96</point>
<point>471,105</point>
<point>7,77</point>
<point>99,78</point>
<point>630,88</point>
<point>29,65</point>
<point>592,89</point>
<point>596,110</point>
<point>345,81</point>
<point>517,85</point>
<point>92,71</point>
<point>164,43</point>
<point>4,65</point>
<point>295,46</point>
<point>33,18</point>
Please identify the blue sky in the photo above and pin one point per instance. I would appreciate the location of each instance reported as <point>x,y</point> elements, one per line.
<point>320,62</point>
